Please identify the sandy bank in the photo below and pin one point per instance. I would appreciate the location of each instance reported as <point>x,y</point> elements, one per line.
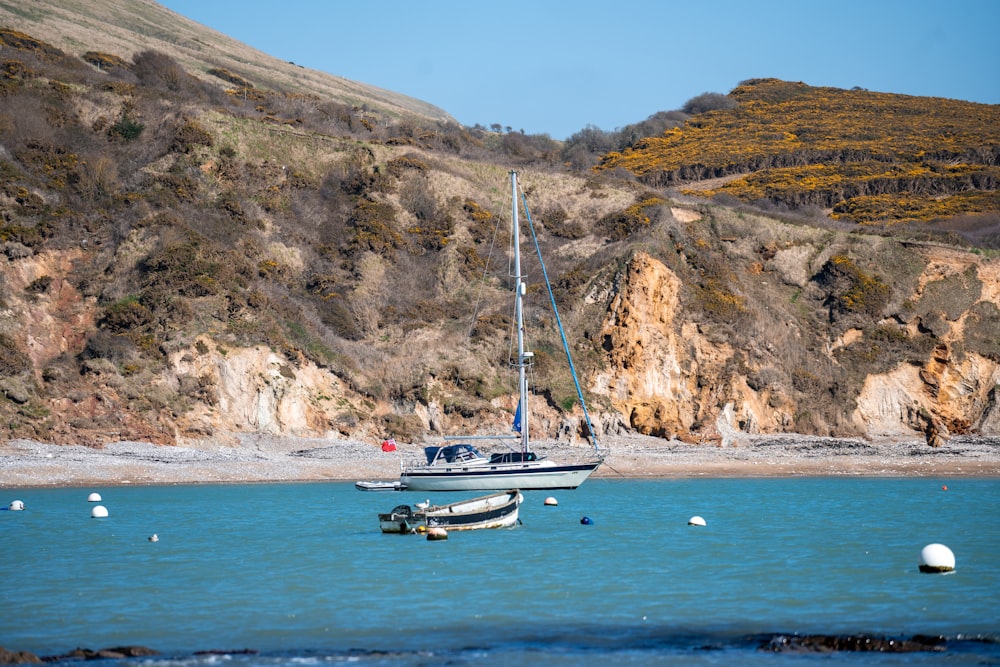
<point>25,463</point>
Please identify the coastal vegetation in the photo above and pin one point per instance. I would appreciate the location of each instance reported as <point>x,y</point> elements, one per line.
<point>869,158</point>
<point>155,215</point>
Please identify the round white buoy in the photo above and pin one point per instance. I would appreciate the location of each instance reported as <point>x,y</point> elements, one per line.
<point>154,538</point>
<point>437,534</point>
<point>94,498</point>
<point>936,558</point>
<point>99,512</point>
<point>696,521</point>
<point>551,501</point>
<point>16,506</point>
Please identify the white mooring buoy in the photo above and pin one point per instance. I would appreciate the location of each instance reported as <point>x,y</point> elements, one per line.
<point>696,521</point>
<point>551,501</point>
<point>94,498</point>
<point>99,512</point>
<point>936,559</point>
<point>16,506</point>
<point>154,538</point>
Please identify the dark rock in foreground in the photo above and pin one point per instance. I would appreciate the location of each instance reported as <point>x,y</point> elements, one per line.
<point>854,643</point>
<point>18,657</point>
<point>113,653</point>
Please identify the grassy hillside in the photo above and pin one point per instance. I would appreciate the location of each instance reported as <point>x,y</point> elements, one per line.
<point>143,207</point>
<point>866,157</point>
<point>123,28</point>
<point>150,216</point>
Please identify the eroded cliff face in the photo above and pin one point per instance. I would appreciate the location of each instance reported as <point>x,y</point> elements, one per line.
<point>252,390</point>
<point>648,375</point>
<point>954,390</point>
<point>666,378</point>
<point>663,375</point>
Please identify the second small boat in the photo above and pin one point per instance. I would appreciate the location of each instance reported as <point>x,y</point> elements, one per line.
<point>497,510</point>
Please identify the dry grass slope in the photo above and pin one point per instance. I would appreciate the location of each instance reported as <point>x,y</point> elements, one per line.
<point>122,28</point>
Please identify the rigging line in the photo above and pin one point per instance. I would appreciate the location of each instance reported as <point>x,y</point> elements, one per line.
<point>620,474</point>
<point>482,281</point>
<point>562,333</point>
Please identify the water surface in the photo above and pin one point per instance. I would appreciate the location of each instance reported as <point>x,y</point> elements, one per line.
<point>300,572</point>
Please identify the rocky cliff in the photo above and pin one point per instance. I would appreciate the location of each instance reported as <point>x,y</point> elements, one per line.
<point>666,378</point>
<point>666,370</point>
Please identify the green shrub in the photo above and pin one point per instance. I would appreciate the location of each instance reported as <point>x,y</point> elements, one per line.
<point>557,222</point>
<point>708,102</point>
<point>104,61</point>
<point>127,316</point>
<point>373,225</point>
<point>623,224</point>
<point>103,344</point>
<point>126,128</point>
<point>397,166</point>
<point>189,135</point>
<point>39,285</point>
<point>853,290</point>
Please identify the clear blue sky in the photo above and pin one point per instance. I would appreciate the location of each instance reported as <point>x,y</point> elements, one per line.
<point>555,67</point>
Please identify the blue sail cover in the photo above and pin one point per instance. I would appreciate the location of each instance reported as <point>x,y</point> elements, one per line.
<point>517,419</point>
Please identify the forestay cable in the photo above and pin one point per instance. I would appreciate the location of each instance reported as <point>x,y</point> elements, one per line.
<point>562,332</point>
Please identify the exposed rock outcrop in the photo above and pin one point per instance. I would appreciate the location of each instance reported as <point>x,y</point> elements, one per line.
<point>651,376</point>
<point>662,374</point>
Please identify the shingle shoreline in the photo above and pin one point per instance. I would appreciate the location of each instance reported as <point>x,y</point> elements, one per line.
<point>261,458</point>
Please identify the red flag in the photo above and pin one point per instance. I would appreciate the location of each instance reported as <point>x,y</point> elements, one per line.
<point>389,445</point>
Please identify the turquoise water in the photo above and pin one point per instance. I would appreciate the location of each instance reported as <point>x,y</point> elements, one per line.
<point>300,574</point>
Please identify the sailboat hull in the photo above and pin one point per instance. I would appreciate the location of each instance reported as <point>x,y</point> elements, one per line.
<point>527,477</point>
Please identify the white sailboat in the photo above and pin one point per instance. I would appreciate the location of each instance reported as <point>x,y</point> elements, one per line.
<point>462,467</point>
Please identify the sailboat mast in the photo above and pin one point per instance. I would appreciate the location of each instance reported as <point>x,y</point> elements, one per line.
<point>519,290</point>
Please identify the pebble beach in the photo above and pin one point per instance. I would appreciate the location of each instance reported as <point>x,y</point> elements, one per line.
<point>261,458</point>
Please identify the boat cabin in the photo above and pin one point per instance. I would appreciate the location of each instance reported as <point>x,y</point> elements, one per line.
<point>452,454</point>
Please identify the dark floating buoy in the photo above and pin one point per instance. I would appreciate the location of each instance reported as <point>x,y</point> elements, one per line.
<point>586,521</point>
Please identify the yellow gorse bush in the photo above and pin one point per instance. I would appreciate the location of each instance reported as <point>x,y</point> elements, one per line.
<point>802,145</point>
